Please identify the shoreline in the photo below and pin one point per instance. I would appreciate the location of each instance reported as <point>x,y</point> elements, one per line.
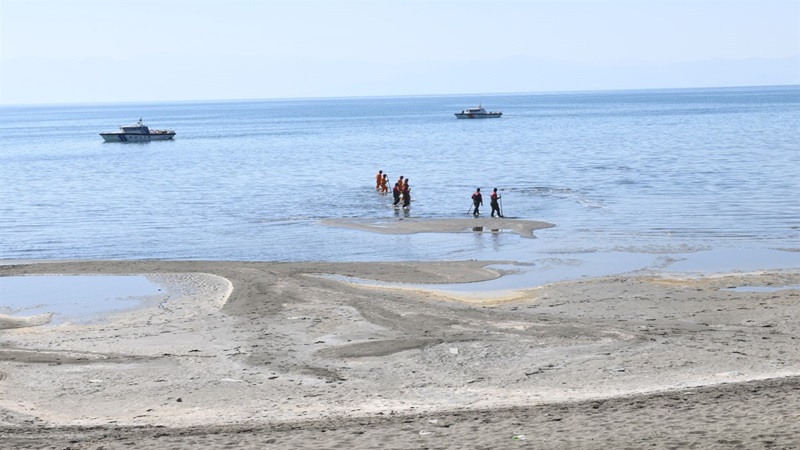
<point>278,346</point>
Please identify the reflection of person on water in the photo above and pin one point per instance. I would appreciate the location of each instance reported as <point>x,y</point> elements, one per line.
<point>406,194</point>
<point>494,204</point>
<point>477,201</point>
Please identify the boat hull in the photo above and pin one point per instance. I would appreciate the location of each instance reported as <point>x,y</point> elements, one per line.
<point>478,116</point>
<point>134,137</point>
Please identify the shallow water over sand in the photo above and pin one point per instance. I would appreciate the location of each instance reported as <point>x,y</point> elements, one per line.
<point>76,297</point>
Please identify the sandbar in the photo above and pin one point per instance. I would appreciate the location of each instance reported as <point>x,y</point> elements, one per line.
<point>406,225</point>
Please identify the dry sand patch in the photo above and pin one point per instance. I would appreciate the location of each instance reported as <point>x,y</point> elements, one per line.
<point>288,348</point>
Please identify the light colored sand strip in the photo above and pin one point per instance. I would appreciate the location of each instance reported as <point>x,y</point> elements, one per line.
<point>8,322</point>
<point>524,228</point>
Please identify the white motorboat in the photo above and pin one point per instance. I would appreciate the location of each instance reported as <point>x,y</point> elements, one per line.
<point>478,113</point>
<point>138,132</point>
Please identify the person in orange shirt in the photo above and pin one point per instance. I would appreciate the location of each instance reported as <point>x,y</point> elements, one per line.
<point>385,184</point>
<point>396,194</point>
<point>495,204</point>
<point>378,179</point>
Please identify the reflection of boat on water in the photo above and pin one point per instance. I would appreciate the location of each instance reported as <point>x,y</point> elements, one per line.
<point>478,113</point>
<point>138,132</point>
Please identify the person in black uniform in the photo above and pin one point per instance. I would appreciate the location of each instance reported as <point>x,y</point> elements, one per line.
<point>406,194</point>
<point>477,201</point>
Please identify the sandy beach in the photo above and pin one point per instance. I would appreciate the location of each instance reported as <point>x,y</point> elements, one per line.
<point>281,355</point>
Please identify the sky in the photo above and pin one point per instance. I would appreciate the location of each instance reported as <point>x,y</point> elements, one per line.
<point>90,51</point>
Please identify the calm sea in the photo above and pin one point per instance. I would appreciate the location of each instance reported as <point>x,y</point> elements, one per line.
<point>631,179</point>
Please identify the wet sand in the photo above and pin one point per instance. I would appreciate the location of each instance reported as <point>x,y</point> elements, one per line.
<point>272,355</point>
<point>406,225</point>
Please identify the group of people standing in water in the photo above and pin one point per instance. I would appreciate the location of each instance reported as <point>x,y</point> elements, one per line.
<point>401,192</point>
<point>477,202</point>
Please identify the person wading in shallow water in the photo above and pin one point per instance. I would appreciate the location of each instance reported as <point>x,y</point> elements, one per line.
<point>477,201</point>
<point>494,204</point>
<point>378,179</point>
<point>385,184</point>
<point>406,194</point>
<point>396,194</point>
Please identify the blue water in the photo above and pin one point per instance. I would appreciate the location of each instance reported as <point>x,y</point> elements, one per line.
<point>662,176</point>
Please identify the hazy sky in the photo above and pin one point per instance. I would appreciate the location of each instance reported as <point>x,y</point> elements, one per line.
<point>57,51</point>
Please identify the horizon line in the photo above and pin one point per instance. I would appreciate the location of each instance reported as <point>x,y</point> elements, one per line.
<point>310,98</point>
